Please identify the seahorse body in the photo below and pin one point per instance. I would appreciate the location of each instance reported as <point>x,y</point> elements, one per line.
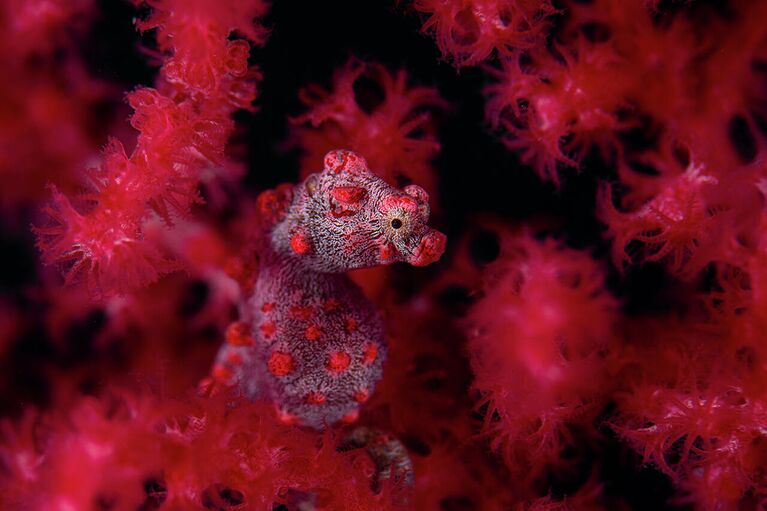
<point>316,346</point>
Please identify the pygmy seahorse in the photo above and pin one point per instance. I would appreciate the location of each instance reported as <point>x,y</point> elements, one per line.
<point>316,345</point>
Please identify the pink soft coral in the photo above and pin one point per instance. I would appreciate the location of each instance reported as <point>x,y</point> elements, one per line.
<point>554,108</point>
<point>128,451</point>
<point>183,128</point>
<point>395,135</point>
<point>470,31</point>
<point>672,226</point>
<point>693,411</point>
<point>541,335</point>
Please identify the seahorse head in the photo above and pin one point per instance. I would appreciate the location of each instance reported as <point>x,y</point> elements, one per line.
<point>346,217</point>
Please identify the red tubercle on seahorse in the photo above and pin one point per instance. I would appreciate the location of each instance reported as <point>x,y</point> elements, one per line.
<point>300,243</point>
<point>348,194</point>
<point>338,362</point>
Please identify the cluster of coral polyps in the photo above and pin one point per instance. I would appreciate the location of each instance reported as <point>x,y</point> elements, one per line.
<point>185,340</point>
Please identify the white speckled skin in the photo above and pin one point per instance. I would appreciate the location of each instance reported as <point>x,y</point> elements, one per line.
<point>319,345</point>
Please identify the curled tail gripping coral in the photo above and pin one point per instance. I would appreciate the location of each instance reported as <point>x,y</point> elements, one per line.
<point>316,345</point>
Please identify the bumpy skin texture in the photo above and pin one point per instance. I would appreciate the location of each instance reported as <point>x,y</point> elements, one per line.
<point>315,345</point>
<point>346,218</point>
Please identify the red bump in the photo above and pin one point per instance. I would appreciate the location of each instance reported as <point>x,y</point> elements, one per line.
<point>272,204</point>
<point>313,333</point>
<point>331,305</point>
<point>301,312</point>
<point>370,354</point>
<point>418,193</point>
<point>334,161</point>
<point>361,395</point>
<point>388,251</point>
<point>300,244</point>
<point>338,361</point>
<point>382,439</point>
<point>280,363</point>
<point>350,324</point>
<point>238,334</point>
<point>234,358</point>
<point>342,160</point>
<point>221,372</point>
<point>267,307</point>
<point>351,417</point>
<point>348,194</point>
<point>268,204</point>
<point>403,202</point>
<point>315,398</point>
<point>238,269</point>
<point>268,328</point>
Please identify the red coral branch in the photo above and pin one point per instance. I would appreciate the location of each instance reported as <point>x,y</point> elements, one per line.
<point>183,127</point>
<point>555,107</point>
<point>470,31</point>
<point>139,452</point>
<point>673,226</point>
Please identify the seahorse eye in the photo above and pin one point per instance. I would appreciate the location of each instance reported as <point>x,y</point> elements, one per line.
<point>396,223</point>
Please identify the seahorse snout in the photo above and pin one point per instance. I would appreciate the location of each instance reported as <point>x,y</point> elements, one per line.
<point>430,249</point>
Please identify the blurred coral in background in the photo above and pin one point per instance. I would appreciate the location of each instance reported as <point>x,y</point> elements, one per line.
<point>48,92</point>
<point>594,337</point>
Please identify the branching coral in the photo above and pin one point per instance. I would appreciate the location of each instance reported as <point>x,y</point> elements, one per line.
<point>523,373</point>
<point>470,31</point>
<point>129,451</point>
<point>553,108</point>
<point>695,413</point>
<point>183,127</point>
<point>675,225</point>
<point>611,68</point>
